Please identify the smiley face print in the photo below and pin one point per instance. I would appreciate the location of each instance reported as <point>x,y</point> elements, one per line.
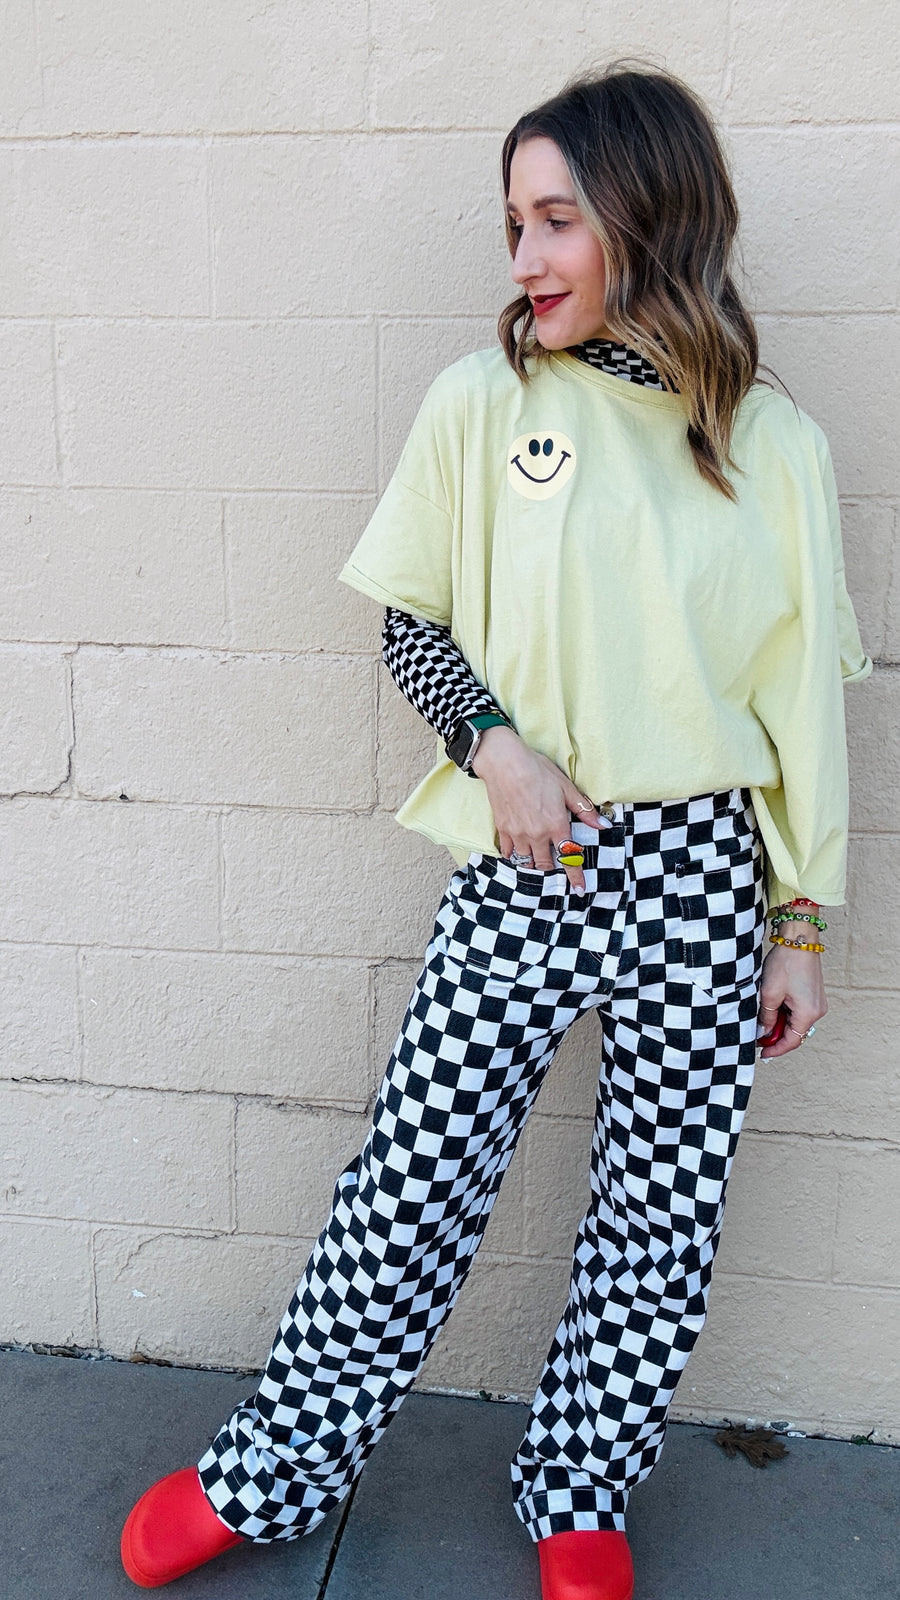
<point>539,464</point>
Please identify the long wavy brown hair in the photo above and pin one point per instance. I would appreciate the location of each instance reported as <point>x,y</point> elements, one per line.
<point>652,181</point>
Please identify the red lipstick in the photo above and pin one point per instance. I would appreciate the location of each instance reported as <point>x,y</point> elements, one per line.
<point>546,302</point>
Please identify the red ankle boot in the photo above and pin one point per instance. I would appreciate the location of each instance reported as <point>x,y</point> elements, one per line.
<point>594,1565</point>
<point>172,1530</point>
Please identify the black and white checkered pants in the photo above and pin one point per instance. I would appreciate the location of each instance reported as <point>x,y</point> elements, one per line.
<point>667,945</point>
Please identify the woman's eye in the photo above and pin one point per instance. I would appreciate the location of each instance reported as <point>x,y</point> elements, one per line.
<point>557,223</point>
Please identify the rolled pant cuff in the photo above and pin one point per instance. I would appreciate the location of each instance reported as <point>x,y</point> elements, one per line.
<point>572,1511</point>
<point>232,1492</point>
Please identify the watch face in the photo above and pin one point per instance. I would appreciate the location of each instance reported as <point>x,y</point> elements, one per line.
<point>461,746</point>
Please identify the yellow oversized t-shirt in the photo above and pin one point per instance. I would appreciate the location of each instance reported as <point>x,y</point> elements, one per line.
<point>650,637</point>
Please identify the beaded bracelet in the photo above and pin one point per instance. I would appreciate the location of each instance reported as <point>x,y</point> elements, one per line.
<point>784,915</point>
<point>794,944</point>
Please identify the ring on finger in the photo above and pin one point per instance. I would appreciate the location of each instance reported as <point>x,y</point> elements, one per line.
<point>521,859</point>
<point>569,854</point>
<point>802,1036</point>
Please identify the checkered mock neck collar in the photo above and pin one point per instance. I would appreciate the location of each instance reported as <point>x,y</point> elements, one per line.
<point>619,361</point>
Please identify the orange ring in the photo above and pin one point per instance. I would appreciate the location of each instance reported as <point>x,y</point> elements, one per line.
<point>569,854</point>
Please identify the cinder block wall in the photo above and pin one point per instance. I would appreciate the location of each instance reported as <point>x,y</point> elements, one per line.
<point>236,245</point>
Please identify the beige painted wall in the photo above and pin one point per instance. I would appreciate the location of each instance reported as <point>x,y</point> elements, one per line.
<point>237,243</point>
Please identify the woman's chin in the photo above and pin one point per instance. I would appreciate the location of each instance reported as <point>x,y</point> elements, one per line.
<point>551,341</point>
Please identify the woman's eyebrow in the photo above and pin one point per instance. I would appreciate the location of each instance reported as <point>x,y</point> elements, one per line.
<point>547,200</point>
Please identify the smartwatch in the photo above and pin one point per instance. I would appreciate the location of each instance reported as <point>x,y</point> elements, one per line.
<point>462,747</point>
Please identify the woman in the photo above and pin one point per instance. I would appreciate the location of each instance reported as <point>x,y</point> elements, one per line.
<point>611,561</point>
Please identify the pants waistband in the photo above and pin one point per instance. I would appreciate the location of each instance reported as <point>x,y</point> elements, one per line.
<point>644,816</point>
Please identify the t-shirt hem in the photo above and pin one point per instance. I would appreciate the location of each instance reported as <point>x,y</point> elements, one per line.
<point>438,836</point>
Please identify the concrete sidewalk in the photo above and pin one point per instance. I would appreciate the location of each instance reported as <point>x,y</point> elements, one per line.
<point>431,1517</point>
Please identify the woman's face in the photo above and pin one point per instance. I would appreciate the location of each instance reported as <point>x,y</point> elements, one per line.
<point>558,261</point>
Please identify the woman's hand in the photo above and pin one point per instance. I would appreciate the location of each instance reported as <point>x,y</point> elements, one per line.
<point>792,977</point>
<point>531,799</point>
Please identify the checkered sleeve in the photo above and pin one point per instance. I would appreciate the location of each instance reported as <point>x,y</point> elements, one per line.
<point>430,670</point>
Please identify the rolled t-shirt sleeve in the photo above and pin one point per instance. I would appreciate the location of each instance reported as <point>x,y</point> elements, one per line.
<point>404,556</point>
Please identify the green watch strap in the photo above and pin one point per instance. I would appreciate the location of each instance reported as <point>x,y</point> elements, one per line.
<point>489,719</point>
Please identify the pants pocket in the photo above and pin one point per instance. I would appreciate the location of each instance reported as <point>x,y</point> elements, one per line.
<point>720,905</point>
<point>495,928</point>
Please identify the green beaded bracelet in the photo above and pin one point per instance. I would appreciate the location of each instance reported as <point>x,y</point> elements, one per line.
<point>783,915</point>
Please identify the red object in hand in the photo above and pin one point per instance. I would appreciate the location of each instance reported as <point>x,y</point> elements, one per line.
<point>777,1029</point>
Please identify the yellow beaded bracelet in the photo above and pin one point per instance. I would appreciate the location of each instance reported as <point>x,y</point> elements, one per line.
<point>794,944</point>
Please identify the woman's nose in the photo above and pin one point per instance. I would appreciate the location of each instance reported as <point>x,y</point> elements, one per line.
<point>527,263</point>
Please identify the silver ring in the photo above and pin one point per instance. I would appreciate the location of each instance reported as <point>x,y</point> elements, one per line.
<point>517,860</point>
<point>586,807</point>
